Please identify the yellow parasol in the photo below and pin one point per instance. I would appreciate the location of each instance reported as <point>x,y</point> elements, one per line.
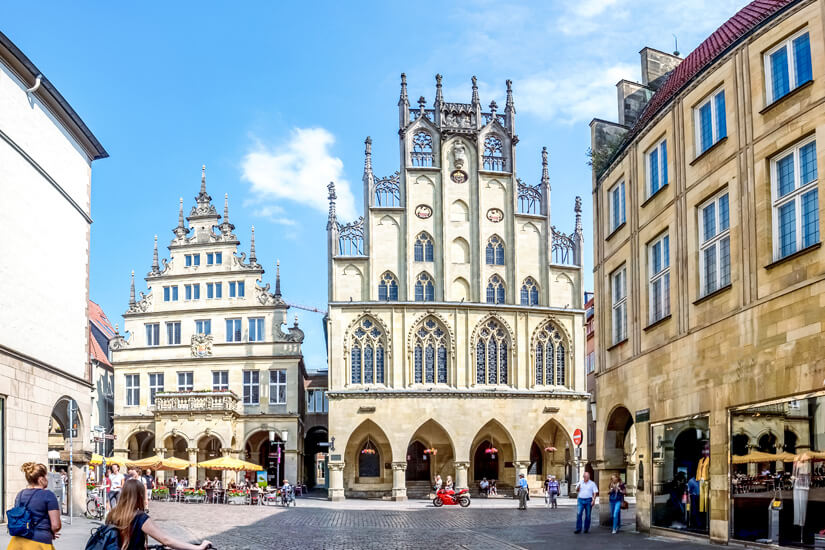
<point>157,462</point>
<point>173,463</point>
<point>759,456</point>
<point>229,463</point>
<point>97,460</point>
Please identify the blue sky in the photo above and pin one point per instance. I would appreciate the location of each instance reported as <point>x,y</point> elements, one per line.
<point>276,99</point>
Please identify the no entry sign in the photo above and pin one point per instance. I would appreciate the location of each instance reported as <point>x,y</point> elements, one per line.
<point>577,437</point>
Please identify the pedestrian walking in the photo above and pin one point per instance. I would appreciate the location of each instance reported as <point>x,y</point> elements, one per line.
<point>551,491</point>
<point>116,480</point>
<point>523,492</point>
<point>617,494</point>
<point>43,508</point>
<point>587,494</point>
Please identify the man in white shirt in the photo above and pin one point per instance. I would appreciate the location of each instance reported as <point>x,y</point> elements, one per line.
<point>116,481</point>
<point>588,492</point>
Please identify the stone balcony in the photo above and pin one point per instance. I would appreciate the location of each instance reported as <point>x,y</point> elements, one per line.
<point>196,402</point>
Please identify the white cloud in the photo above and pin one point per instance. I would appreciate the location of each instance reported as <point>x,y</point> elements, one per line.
<point>573,95</point>
<point>592,8</point>
<point>297,170</point>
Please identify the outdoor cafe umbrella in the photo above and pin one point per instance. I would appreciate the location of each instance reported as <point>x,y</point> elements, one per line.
<point>229,463</point>
<point>759,456</point>
<point>157,462</point>
<point>97,460</point>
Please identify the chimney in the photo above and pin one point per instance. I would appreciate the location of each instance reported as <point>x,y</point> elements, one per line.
<point>632,98</point>
<point>655,66</point>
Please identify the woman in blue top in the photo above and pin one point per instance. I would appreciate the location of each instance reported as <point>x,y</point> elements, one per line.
<point>617,493</point>
<point>43,508</point>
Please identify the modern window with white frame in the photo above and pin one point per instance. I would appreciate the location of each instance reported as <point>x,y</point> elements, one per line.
<point>203,326</point>
<point>277,387</point>
<point>709,121</point>
<point>788,66</point>
<point>172,333</point>
<point>618,284</point>
<point>317,401</point>
<point>714,244</point>
<point>152,334</point>
<point>656,162</point>
<point>795,193</point>
<point>132,390</point>
<point>617,206</point>
<point>658,258</point>
<point>256,329</point>
<point>234,332</point>
<point>220,380</point>
<point>155,385</point>
<point>186,381</point>
<point>251,387</point>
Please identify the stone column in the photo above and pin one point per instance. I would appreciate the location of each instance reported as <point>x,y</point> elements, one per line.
<point>225,474</point>
<point>399,481</point>
<point>160,475</point>
<point>461,468</point>
<point>521,467</point>
<point>336,481</point>
<point>193,468</point>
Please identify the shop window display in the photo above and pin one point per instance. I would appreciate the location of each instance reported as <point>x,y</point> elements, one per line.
<point>681,475</point>
<point>778,472</point>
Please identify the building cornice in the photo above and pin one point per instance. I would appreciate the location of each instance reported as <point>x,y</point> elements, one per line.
<point>456,393</point>
<point>44,366</point>
<point>424,306</point>
<point>212,275</point>
<point>218,309</point>
<point>211,360</point>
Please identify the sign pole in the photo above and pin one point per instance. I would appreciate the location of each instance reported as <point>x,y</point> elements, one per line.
<point>70,410</point>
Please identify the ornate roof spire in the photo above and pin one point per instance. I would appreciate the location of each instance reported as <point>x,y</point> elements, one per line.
<point>204,205</point>
<point>578,210</point>
<point>404,100</point>
<point>132,292</point>
<point>545,173</point>
<point>493,108</point>
<point>226,207</point>
<point>155,264</point>
<point>226,227</point>
<point>253,260</point>
<point>368,156</point>
<point>510,106</point>
<point>180,231</point>
<point>421,104</point>
<point>331,197</point>
<point>203,180</point>
<point>277,278</point>
<point>439,98</point>
<point>403,104</point>
<point>476,101</point>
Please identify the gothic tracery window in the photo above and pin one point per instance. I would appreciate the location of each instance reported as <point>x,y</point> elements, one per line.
<point>492,347</point>
<point>424,288</point>
<point>367,354</point>
<point>529,292</point>
<point>430,353</point>
<point>388,288</point>
<point>423,248</point>
<point>550,357</point>
<point>422,150</point>
<point>494,254</point>
<point>495,290</point>
<point>493,154</point>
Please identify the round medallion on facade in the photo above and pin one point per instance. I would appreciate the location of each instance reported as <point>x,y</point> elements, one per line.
<point>423,211</point>
<point>495,215</point>
<point>459,176</point>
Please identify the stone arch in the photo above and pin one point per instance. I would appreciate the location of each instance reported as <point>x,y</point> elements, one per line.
<point>140,444</point>
<point>552,324</point>
<point>564,278</point>
<point>445,324</point>
<point>368,434</point>
<point>460,290</point>
<point>530,226</point>
<point>432,436</point>
<point>207,434</point>
<point>492,435</point>
<point>494,183</point>
<point>460,251</point>
<point>388,219</point>
<point>174,432</point>
<point>59,421</point>
<point>620,430</point>
<point>500,319</point>
<point>552,435</point>
<point>356,322</point>
<point>459,211</point>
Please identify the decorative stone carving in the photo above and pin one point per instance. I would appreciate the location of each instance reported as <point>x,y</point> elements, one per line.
<point>201,345</point>
<point>143,305</point>
<point>266,298</point>
<point>459,155</point>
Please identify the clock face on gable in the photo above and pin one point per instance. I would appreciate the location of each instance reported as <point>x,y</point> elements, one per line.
<point>423,211</point>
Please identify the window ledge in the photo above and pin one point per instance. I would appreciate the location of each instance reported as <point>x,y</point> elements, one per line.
<point>618,228</point>
<point>654,195</point>
<point>713,294</point>
<point>708,150</point>
<point>786,96</point>
<point>793,256</point>
<point>425,168</point>
<point>617,344</point>
<point>657,322</point>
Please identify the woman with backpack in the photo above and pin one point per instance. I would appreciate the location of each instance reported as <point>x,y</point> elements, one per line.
<point>42,508</point>
<point>134,525</point>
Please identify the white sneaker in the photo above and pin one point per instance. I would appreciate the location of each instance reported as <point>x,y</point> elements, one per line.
<point>614,531</point>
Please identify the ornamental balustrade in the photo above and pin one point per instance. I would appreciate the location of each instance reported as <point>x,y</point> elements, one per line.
<point>563,248</point>
<point>351,238</point>
<point>208,401</point>
<point>529,198</point>
<point>387,191</point>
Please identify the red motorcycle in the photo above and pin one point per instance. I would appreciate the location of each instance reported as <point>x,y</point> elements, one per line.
<point>443,496</point>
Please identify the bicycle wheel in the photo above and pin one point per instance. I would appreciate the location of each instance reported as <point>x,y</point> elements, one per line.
<point>93,509</point>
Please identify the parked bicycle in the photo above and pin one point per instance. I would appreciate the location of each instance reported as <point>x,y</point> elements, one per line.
<point>95,507</point>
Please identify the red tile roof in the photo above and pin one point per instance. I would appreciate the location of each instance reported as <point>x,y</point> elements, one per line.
<point>97,352</point>
<point>99,318</point>
<point>743,23</point>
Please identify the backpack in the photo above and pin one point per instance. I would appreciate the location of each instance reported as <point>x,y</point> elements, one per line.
<point>19,519</point>
<point>105,537</point>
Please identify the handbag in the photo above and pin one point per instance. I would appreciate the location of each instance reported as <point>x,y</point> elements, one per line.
<point>19,520</point>
<point>625,505</point>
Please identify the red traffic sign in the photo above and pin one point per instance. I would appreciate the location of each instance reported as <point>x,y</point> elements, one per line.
<point>577,437</point>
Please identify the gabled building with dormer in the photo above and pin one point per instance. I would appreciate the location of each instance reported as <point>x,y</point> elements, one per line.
<point>455,323</point>
<point>205,367</point>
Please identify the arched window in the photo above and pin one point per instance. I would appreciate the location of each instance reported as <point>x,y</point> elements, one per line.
<point>493,154</point>
<point>550,357</point>
<point>422,150</point>
<point>430,353</point>
<point>492,346</point>
<point>367,354</point>
<point>495,251</point>
<point>388,288</point>
<point>495,290</point>
<point>423,248</point>
<point>529,292</point>
<point>424,288</point>
<point>369,460</point>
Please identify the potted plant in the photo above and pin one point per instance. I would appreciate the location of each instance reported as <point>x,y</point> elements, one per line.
<point>160,494</point>
<point>235,496</point>
<point>90,487</point>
